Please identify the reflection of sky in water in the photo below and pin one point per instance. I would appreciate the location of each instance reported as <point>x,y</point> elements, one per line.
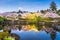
<point>57,36</point>
<point>31,35</point>
<point>1,30</point>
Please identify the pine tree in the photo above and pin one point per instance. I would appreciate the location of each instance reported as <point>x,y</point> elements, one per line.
<point>53,6</point>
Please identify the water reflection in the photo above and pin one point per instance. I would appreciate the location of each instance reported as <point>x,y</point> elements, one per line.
<point>32,35</point>
<point>36,32</point>
<point>53,35</point>
<point>28,32</point>
<point>29,27</point>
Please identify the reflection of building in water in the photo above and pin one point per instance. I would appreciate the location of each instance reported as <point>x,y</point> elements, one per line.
<point>29,27</point>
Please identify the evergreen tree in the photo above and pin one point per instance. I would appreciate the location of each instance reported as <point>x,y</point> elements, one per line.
<point>53,6</point>
<point>19,11</point>
<point>42,11</point>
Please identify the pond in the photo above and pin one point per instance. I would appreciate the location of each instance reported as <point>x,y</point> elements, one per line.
<point>42,34</point>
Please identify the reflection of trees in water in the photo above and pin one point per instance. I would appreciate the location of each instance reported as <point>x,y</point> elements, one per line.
<point>19,27</point>
<point>15,36</point>
<point>29,27</point>
<point>39,26</point>
<point>53,35</point>
<point>46,24</point>
<point>52,32</point>
<point>50,26</point>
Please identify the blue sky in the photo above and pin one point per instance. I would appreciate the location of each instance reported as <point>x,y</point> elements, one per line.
<point>27,5</point>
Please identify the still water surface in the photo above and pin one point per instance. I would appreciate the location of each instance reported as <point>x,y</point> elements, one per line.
<point>41,35</point>
<point>34,35</point>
